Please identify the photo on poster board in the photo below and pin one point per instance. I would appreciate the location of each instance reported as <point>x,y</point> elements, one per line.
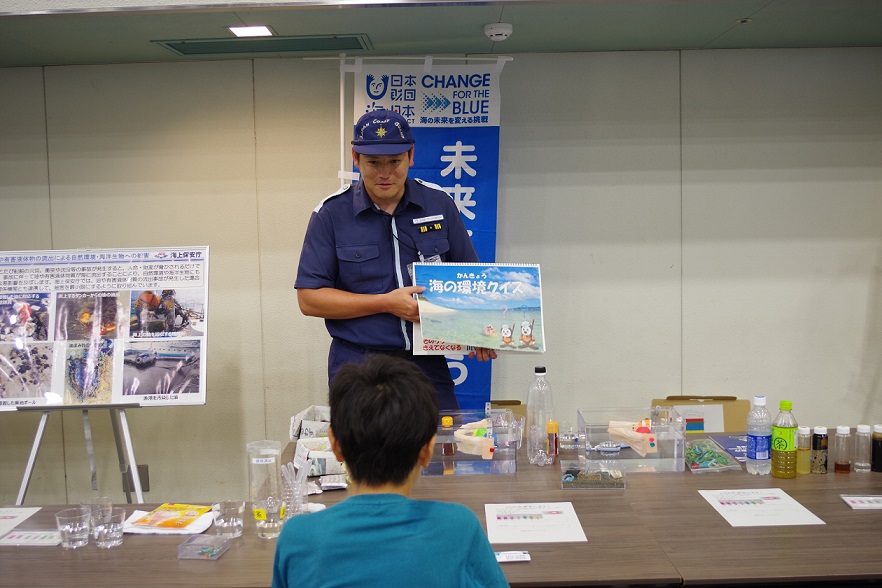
<point>491,305</point>
<point>103,327</point>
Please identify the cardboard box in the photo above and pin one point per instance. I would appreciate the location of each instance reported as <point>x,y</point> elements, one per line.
<point>518,408</point>
<point>709,414</point>
<point>309,427</point>
<point>321,459</point>
<point>312,421</point>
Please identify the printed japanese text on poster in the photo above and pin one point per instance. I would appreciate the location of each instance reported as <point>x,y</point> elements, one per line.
<point>103,327</point>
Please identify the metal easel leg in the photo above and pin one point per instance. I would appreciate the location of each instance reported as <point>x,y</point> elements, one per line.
<point>130,453</point>
<point>119,451</point>
<point>29,469</point>
<point>90,450</point>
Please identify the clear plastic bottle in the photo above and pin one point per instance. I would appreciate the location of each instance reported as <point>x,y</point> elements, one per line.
<point>842,450</point>
<point>539,412</point>
<point>819,450</point>
<point>784,442</point>
<point>863,447</point>
<point>803,450</point>
<point>759,438</point>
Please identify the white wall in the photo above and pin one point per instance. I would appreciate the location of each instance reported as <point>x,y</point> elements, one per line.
<point>706,222</point>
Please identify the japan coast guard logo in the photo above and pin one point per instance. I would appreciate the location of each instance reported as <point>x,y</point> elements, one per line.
<point>376,90</point>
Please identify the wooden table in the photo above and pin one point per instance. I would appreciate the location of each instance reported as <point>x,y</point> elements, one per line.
<point>707,551</point>
<point>659,531</point>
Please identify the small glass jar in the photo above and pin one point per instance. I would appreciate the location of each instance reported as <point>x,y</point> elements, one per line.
<point>819,451</point>
<point>803,450</point>
<point>842,450</point>
<point>863,447</point>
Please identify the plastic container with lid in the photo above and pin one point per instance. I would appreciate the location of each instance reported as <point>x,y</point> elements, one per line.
<point>842,450</point>
<point>877,449</point>
<point>819,451</point>
<point>863,447</point>
<point>803,450</point>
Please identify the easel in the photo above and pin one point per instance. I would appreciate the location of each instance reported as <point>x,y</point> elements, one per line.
<point>120,423</point>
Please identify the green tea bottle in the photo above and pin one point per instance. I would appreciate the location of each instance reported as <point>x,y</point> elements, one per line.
<point>784,442</point>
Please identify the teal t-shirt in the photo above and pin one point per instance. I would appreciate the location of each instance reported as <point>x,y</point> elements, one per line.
<point>386,540</point>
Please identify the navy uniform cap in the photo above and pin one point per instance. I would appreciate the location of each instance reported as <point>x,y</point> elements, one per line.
<point>382,132</point>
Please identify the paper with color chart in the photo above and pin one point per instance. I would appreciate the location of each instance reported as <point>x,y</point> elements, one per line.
<point>18,538</point>
<point>536,522</point>
<point>862,502</point>
<point>759,507</point>
<point>12,516</point>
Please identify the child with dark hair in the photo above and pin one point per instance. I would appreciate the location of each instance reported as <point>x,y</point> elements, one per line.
<point>384,415</point>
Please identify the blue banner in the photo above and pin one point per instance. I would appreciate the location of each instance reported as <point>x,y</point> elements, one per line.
<point>454,116</point>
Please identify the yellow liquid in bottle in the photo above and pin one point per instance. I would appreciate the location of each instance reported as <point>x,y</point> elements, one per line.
<point>803,461</point>
<point>783,464</point>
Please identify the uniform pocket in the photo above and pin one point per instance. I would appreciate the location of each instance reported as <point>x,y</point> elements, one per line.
<point>360,268</point>
<point>431,247</point>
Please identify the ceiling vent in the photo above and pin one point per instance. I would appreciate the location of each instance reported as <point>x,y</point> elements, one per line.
<point>267,45</point>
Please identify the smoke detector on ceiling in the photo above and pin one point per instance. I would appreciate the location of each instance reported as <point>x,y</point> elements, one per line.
<point>498,31</point>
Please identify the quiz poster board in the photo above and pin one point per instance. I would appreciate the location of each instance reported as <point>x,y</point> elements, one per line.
<point>103,327</point>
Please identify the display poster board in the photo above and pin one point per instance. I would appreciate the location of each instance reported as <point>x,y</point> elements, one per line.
<point>103,327</point>
<point>491,305</point>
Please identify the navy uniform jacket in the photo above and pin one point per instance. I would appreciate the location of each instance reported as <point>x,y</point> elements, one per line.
<point>353,246</point>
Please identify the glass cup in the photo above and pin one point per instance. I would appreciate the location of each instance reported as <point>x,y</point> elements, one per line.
<point>506,434</point>
<point>265,482</point>
<point>107,527</point>
<point>269,516</point>
<point>228,517</point>
<point>96,506</point>
<point>569,435</point>
<point>296,498</point>
<point>73,525</point>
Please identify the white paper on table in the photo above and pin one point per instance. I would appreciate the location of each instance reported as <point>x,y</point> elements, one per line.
<point>759,507</point>
<point>10,517</point>
<point>533,522</point>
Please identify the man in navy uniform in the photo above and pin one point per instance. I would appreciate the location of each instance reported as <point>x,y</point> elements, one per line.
<point>360,241</point>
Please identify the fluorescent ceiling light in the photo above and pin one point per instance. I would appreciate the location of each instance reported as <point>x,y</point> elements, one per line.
<point>257,31</point>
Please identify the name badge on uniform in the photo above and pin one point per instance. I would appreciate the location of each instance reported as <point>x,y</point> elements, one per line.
<point>428,219</point>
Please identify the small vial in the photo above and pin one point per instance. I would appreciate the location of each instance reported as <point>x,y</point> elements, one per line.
<point>877,448</point>
<point>819,451</point>
<point>862,449</point>
<point>803,450</point>
<point>553,429</point>
<point>447,447</point>
<point>842,450</point>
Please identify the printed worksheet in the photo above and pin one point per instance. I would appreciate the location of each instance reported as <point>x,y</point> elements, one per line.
<point>10,517</point>
<point>759,507</point>
<point>533,522</point>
